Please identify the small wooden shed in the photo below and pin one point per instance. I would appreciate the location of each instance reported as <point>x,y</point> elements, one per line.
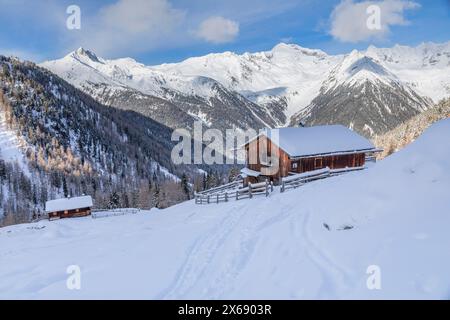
<point>69,207</point>
<point>302,149</point>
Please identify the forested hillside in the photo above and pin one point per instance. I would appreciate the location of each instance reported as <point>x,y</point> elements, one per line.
<point>73,145</point>
<point>409,131</point>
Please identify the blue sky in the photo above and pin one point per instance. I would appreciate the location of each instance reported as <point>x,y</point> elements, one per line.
<point>157,31</point>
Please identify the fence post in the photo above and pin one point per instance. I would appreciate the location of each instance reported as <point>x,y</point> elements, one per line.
<point>267,188</point>
<point>250,190</point>
<point>282,186</point>
<point>271,186</point>
<point>217,198</point>
<point>207,199</point>
<point>226,196</point>
<point>237,195</point>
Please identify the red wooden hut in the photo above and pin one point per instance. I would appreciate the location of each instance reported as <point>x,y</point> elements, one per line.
<point>276,153</point>
<point>69,207</point>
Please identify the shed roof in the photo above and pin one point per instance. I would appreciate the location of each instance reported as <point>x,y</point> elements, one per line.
<point>246,172</point>
<point>328,139</point>
<point>68,204</point>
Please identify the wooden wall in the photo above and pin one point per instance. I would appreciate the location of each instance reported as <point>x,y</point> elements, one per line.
<point>82,212</point>
<point>253,148</point>
<point>303,165</point>
<point>333,162</point>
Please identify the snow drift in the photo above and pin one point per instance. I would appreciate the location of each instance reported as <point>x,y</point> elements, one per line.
<point>316,241</point>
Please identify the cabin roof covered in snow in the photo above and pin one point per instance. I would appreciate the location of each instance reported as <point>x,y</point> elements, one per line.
<point>318,140</point>
<point>68,204</point>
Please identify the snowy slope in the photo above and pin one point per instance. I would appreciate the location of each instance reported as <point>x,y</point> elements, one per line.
<point>406,133</point>
<point>11,147</point>
<point>394,215</point>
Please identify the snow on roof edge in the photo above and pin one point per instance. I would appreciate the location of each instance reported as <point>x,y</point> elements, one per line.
<point>68,203</point>
<point>317,140</point>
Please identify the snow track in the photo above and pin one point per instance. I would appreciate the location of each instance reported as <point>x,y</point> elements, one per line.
<point>201,254</point>
<point>334,276</point>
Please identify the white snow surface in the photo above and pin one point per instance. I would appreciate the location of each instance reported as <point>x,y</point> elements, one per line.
<point>303,141</point>
<point>394,215</point>
<point>68,203</point>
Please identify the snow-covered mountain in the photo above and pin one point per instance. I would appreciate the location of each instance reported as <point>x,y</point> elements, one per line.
<point>174,100</point>
<point>364,95</point>
<point>288,73</point>
<point>389,222</point>
<point>273,88</point>
<point>425,68</point>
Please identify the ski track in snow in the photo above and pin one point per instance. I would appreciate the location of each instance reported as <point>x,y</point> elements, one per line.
<point>208,247</point>
<point>334,276</point>
<point>200,255</point>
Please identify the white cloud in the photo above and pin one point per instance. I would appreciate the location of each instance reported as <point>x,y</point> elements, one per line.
<point>119,28</point>
<point>131,26</point>
<point>218,30</point>
<point>349,19</point>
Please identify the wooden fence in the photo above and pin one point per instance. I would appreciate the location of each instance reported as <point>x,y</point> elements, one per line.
<point>300,179</point>
<point>231,191</point>
<point>104,213</point>
<point>225,195</point>
<point>223,188</point>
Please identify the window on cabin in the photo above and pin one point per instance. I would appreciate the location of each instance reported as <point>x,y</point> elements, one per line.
<point>294,165</point>
<point>318,163</point>
<point>264,159</point>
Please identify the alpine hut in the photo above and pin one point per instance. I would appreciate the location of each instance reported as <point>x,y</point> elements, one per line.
<point>276,153</point>
<point>69,207</point>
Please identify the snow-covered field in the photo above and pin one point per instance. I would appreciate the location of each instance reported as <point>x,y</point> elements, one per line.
<point>395,215</point>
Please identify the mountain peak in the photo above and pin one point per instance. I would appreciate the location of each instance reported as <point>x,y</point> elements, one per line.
<point>84,53</point>
<point>357,68</point>
<point>283,47</point>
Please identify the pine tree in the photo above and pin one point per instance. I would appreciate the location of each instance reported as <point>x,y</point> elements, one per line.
<point>64,186</point>
<point>185,186</point>
<point>156,196</point>
<point>114,200</point>
<point>205,181</point>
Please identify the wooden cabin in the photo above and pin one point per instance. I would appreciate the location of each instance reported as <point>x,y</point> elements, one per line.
<point>69,207</point>
<point>277,153</point>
